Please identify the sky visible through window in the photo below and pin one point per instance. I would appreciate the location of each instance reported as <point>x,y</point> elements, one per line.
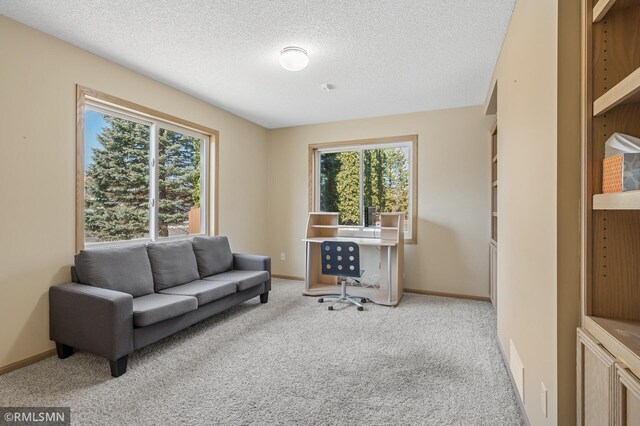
<point>93,124</point>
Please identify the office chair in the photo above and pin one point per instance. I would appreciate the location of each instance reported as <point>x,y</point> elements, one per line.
<point>341,259</point>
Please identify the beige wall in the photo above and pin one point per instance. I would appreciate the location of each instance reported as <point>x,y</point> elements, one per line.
<point>453,194</point>
<point>538,78</point>
<point>38,75</point>
<point>527,143</point>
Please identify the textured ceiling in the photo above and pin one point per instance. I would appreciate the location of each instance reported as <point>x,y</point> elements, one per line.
<point>384,57</point>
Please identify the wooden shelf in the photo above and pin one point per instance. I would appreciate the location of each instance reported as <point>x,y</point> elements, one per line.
<point>601,8</point>
<point>494,214</point>
<point>360,228</point>
<point>620,337</point>
<point>625,92</point>
<point>629,200</point>
<point>604,6</point>
<point>360,241</point>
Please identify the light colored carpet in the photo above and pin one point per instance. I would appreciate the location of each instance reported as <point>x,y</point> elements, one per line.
<point>431,360</point>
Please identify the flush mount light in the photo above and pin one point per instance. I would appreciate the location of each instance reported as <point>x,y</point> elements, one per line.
<point>293,58</point>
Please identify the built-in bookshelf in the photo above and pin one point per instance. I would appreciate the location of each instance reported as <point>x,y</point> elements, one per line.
<point>493,244</point>
<point>494,183</point>
<point>610,320</point>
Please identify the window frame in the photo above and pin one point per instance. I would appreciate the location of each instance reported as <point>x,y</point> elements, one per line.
<point>411,141</point>
<point>111,105</point>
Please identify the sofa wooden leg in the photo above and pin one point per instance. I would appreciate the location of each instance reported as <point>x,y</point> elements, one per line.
<point>119,366</point>
<point>64,351</point>
<point>264,297</point>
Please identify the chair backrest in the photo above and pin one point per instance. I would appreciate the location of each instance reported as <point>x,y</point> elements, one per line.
<point>340,258</point>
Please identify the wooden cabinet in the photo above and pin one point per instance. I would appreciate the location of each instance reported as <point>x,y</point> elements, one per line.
<point>610,306</point>
<point>493,273</point>
<point>608,391</point>
<point>596,375</point>
<point>627,397</point>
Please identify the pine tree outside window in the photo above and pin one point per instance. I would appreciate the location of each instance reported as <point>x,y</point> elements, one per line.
<point>360,177</point>
<point>116,182</point>
<point>144,179</point>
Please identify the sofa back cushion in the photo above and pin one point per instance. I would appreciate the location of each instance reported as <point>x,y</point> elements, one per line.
<point>125,269</point>
<point>172,263</point>
<point>213,255</point>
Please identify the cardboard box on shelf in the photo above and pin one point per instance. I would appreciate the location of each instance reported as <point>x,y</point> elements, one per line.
<point>621,173</point>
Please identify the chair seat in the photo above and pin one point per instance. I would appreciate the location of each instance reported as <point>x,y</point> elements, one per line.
<point>204,291</point>
<point>245,279</point>
<point>155,307</point>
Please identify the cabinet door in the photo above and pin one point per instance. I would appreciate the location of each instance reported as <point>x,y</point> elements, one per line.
<point>627,397</point>
<point>596,376</point>
<point>493,273</point>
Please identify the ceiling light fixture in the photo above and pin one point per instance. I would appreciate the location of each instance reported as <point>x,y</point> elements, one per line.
<point>293,58</point>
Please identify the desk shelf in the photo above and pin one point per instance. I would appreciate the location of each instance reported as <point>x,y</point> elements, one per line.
<point>352,227</point>
<point>360,241</point>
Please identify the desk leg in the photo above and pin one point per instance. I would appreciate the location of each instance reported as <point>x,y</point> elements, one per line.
<point>306,275</point>
<point>389,274</point>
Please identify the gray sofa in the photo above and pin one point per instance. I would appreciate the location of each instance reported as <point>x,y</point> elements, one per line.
<point>122,299</point>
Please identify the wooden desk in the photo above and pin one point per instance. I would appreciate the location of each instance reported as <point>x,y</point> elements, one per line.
<point>324,227</point>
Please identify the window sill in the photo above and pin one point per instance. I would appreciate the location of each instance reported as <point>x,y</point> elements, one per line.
<point>110,244</point>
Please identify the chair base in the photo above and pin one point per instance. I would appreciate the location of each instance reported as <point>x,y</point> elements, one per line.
<point>339,298</point>
<point>342,297</point>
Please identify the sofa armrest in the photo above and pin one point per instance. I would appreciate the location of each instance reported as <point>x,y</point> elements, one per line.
<point>93,319</point>
<point>253,262</point>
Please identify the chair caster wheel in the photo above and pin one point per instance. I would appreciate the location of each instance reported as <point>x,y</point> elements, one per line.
<point>363,300</point>
<point>360,308</point>
<point>320,300</point>
<point>330,308</point>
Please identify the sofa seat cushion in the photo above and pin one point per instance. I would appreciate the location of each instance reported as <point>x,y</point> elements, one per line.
<point>154,308</point>
<point>204,291</point>
<point>124,269</point>
<point>172,263</point>
<point>213,254</point>
<point>245,279</point>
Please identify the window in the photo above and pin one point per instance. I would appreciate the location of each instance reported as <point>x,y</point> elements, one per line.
<point>360,179</point>
<point>143,175</point>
